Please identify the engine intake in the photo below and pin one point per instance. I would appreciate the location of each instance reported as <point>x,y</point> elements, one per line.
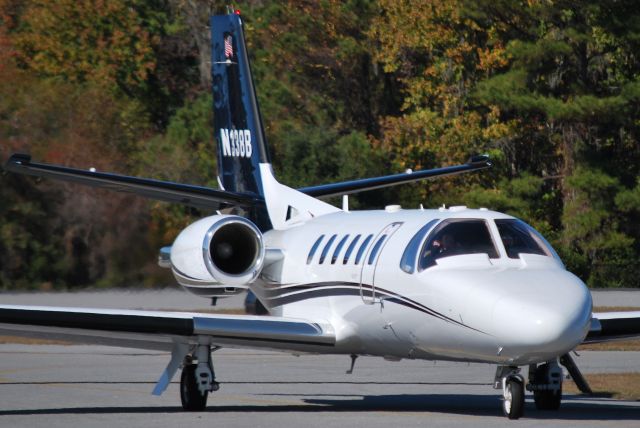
<point>217,250</point>
<point>233,251</point>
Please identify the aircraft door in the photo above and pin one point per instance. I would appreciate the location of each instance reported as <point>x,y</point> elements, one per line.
<point>370,262</point>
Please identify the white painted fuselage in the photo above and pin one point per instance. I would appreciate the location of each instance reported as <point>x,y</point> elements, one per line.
<point>470,307</point>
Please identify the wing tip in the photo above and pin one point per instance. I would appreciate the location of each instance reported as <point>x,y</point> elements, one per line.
<point>482,159</point>
<point>17,160</point>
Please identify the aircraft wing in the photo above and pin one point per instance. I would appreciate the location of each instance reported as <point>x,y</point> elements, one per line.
<point>608,326</point>
<point>354,186</point>
<point>195,196</point>
<point>160,330</point>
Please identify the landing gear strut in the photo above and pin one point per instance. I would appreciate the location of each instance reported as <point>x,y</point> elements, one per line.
<point>197,380</point>
<point>545,381</point>
<point>512,384</point>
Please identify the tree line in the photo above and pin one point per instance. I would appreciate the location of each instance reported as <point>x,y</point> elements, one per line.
<point>347,89</point>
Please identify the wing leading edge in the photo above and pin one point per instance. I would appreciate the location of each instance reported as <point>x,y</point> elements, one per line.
<point>161,330</point>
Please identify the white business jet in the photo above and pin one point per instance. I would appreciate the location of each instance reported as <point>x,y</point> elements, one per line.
<point>453,284</point>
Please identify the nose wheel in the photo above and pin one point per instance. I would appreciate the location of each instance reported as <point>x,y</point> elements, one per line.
<point>513,399</point>
<point>512,384</point>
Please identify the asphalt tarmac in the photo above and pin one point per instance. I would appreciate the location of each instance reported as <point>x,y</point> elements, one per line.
<point>93,386</point>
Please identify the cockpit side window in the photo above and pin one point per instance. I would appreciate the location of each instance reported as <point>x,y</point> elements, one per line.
<point>410,255</point>
<point>454,237</point>
<point>518,237</point>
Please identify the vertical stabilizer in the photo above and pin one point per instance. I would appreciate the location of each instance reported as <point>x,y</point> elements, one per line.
<point>243,157</point>
<point>237,125</point>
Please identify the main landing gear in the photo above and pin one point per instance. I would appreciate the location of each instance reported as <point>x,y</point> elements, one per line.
<point>198,379</point>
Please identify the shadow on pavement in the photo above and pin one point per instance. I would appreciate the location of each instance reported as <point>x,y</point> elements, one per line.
<point>573,408</point>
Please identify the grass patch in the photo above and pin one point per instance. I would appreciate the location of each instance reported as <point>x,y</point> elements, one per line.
<point>621,345</point>
<point>30,341</point>
<point>622,386</point>
<point>615,308</point>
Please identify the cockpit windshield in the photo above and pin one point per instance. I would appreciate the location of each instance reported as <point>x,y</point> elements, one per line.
<point>518,237</point>
<point>454,237</point>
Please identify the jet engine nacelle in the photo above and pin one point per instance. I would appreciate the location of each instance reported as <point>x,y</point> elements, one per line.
<point>218,253</point>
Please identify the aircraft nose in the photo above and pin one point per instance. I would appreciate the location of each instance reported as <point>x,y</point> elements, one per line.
<point>546,320</point>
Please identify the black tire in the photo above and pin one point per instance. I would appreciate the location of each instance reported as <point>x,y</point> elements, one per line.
<point>548,400</point>
<point>192,399</point>
<point>513,402</point>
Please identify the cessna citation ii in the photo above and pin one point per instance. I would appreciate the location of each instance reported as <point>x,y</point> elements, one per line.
<point>452,284</point>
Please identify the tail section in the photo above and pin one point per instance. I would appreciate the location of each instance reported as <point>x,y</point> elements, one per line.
<point>243,158</point>
<point>237,125</point>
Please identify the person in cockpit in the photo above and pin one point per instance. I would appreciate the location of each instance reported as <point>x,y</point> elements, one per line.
<point>448,245</point>
<point>441,246</point>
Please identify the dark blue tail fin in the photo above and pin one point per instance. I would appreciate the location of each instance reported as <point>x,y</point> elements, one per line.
<point>237,124</point>
<point>243,158</point>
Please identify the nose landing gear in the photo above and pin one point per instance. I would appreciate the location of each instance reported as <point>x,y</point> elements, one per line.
<point>512,384</point>
<point>545,381</point>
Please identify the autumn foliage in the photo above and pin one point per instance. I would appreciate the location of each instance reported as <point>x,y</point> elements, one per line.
<point>347,89</point>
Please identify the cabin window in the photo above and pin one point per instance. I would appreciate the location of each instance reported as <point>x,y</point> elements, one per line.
<point>315,246</point>
<point>518,237</point>
<point>376,248</point>
<point>455,237</point>
<point>350,248</point>
<point>338,248</point>
<point>325,250</point>
<point>410,255</point>
<point>364,245</point>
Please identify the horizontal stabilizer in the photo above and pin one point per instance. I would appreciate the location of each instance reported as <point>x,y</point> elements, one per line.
<point>195,196</point>
<point>355,186</point>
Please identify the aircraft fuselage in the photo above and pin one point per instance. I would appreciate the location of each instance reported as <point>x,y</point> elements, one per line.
<point>468,305</point>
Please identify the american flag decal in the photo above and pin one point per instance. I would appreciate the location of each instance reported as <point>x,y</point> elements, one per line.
<point>228,48</point>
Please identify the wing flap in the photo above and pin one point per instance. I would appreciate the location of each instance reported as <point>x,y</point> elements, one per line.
<point>159,330</point>
<point>195,196</point>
